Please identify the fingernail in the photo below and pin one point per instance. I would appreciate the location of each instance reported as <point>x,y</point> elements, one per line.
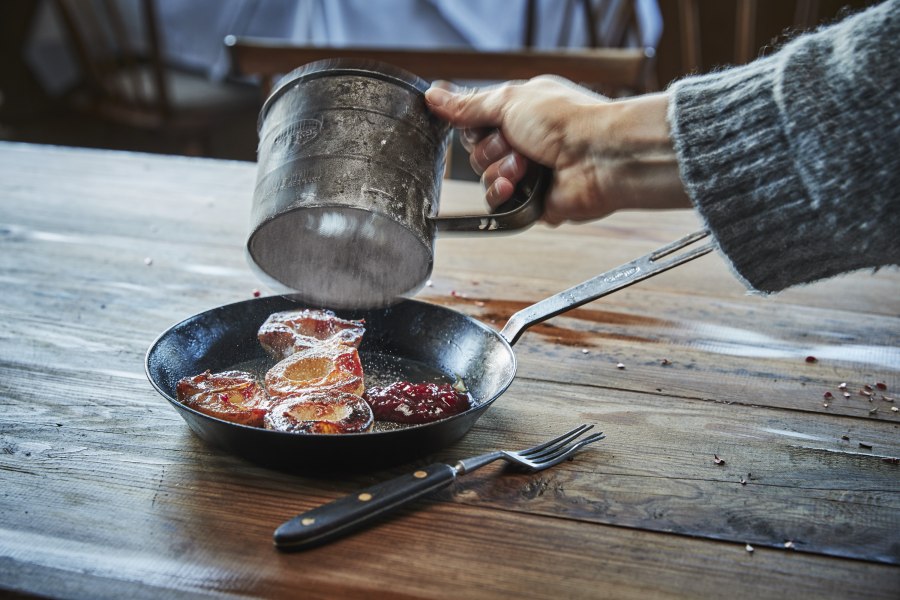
<point>508,166</point>
<point>494,148</point>
<point>436,96</point>
<point>491,194</point>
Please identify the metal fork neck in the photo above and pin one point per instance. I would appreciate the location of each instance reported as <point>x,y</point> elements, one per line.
<point>476,462</point>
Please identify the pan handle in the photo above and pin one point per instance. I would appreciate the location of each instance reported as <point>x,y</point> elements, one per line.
<point>649,265</point>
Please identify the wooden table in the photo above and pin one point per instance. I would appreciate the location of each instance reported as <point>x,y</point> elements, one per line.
<point>105,493</point>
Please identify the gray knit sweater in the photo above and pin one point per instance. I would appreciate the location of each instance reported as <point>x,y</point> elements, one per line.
<point>793,160</point>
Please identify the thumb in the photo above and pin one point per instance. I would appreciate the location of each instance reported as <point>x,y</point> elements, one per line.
<point>471,108</point>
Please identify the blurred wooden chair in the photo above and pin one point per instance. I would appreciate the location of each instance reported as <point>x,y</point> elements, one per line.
<point>615,71</point>
<point>125,80</point>
<point>746,42</point>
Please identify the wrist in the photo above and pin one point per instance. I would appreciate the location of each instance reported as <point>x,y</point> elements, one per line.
<point>641,127</point>
<point>634,156</point>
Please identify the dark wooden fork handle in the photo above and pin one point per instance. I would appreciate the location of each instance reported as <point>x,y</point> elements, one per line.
<point>347,514</point>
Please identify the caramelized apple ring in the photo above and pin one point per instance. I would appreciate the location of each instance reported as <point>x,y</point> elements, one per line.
<point>230,395</point>
<point>320,413</point>
<point>285,333</point>
<point>326,369</point>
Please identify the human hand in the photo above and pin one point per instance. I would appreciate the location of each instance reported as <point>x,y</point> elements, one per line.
<point>606,155</point>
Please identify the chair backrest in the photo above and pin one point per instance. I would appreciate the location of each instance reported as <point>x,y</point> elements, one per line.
<point>746,42</point>
<point>123,75</point>
<point>614,71</point>
<point>611,70</point>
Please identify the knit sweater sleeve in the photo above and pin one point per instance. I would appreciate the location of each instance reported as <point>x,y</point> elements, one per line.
<point>793,161</point>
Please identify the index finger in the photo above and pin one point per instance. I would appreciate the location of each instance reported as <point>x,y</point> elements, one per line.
<point>472,108</point>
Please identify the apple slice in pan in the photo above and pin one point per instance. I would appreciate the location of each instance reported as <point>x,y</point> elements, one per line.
<point>285,333</point>
<point>230,395</point>
<point>320,413</point>
<point>325,369</point>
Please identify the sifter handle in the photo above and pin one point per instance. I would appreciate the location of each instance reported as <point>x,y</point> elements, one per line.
<point>519,212</point>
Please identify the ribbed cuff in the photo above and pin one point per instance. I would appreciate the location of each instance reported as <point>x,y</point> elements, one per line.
<point>734,159</point>
<point>792,160</point>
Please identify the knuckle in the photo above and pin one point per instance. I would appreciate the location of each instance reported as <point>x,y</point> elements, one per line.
<point>463,99</point>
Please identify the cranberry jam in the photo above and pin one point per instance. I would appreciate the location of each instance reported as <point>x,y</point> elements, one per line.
<point>415,403</point>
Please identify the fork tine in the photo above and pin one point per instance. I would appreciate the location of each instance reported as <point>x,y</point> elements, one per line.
<point>548,459</point>
<point>561,440</point>
<point>550,450</point>
<point>549,453</point>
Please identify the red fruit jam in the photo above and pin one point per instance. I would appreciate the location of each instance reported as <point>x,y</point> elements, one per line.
<point>415,403</point>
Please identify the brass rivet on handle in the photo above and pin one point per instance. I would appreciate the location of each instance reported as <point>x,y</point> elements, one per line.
<point>365,497</point>
<point>420,474</point>
<point>307,521</point>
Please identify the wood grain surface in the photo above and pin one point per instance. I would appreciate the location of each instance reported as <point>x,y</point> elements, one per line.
<point>105,492</point>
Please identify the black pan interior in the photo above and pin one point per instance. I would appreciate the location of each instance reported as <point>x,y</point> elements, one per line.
<point>438,337</point>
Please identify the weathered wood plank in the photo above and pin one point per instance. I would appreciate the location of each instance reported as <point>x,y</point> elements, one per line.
<point>657,471</point>
<point>106,493</point>
<point>804,483</point>
<point>483,554</point>
<point>716,347</point>
<point>213,199</point>
<point>212,508</point>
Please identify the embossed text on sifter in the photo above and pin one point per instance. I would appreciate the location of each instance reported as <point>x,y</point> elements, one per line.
<point>345,209</point>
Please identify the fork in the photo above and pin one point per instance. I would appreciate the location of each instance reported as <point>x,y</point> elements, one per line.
<point>346,514</point>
